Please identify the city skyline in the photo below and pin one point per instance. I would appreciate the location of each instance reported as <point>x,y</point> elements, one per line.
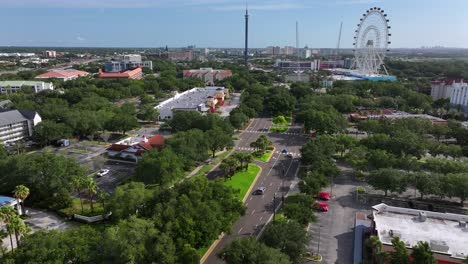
<point>220,23</point>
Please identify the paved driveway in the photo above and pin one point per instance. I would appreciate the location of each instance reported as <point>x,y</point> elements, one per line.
<point>38,220</point>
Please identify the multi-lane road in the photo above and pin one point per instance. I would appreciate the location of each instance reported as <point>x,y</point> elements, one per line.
<point>278,176</point>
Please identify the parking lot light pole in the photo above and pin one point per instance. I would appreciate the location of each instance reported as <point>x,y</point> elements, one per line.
<point>282,186</point>
<point>274,207</point>
<point>318,245</point>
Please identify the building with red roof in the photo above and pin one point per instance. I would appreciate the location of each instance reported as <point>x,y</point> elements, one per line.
<point>66,75</point>
<point>208,75</point>
<point>134,147</point>
<point>136,73</point>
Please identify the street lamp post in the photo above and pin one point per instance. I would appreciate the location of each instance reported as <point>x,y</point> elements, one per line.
<point>282,186</point>
<point>274,207</point>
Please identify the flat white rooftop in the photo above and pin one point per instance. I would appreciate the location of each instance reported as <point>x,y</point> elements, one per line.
<point>189,99</point>
<point>442,231</point>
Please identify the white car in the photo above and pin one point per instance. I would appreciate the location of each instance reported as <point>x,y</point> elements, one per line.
<point>289,155</point>
<point>102,172</point>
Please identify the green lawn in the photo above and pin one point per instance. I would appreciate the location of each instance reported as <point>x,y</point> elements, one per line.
<point>243,179</point>
<point>265,157</point>
<point>75,208</point>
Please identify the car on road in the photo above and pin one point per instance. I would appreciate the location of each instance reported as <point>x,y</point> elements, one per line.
<point>284,151</point>
<point>103,172</point>
<point>259,191</point>
<point>289,155</point>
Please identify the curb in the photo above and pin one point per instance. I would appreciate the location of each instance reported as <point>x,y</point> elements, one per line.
<point>211,248</point>
<point>252,185</point>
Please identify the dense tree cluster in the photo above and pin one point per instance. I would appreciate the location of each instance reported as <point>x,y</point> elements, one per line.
<point>49,178</point>
<point>152,225</point>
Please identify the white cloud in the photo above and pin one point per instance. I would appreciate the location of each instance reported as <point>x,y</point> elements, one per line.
<point>80,38</point>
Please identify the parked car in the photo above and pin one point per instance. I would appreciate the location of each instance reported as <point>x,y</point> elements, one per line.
<point>259,191</point>
<point>323,196</point>
<point>102,172</point>
<point>323,207</point>
<point>284,151</point>
<point>289,155</point>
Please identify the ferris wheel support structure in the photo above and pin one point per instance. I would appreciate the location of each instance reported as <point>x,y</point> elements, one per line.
<point>371,41</point>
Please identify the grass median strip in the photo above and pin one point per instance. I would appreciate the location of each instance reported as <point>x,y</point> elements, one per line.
<point>265,157</point>
<point>243,179</point>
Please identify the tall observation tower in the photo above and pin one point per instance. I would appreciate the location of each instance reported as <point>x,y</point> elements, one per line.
<point>246,50</point>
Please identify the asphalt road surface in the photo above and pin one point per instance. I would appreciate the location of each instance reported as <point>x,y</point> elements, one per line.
<point>277,176</point>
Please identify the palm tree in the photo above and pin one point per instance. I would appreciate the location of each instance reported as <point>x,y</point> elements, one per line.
<point>21,192</point>
<point>422,254</point>
<point>78,185</point>
<point>6,214</point>
<point>18,227</point>
<point>103,196</point>
<point>92,188</point>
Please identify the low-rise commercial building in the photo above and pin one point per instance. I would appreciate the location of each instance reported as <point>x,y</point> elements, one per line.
<point>65,75</point>
<point>393,114</point>
<point>17,124</point>
<point>444,232</point>
<point>126,62</point>
<point>313,65</point>
<point>198,99</point>
<point>208,75</point>
<point>136,73</point>
<point>7,87</point>
<point>133,148</point>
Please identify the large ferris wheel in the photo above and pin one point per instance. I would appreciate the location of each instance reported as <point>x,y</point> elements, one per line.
<point>371,41</point>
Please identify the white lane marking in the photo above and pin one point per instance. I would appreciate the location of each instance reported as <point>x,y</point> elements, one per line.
<point>247,204</point>
<point>253,211</point>
<point>250,198</point>
<point>261,218</point>
<point>239,230</point>
<point>271,183</point>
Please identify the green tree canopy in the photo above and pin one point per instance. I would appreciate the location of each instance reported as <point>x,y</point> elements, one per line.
<point>249,250</point>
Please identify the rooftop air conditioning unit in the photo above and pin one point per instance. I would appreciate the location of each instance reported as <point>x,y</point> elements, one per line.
<point>422,216</point>
<point>462,224</point>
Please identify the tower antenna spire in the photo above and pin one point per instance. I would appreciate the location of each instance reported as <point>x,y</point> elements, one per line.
<point>246,50</point>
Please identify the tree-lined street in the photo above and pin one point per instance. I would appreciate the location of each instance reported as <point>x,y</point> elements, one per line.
<point>260,207</point>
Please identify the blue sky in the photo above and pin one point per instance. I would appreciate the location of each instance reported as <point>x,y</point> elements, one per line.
<point>220,23</point>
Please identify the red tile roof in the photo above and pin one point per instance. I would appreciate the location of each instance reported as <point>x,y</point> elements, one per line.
<point>155,141</point>
<point>63,74</point>
<point>136,73</point>
<point>118,147</point>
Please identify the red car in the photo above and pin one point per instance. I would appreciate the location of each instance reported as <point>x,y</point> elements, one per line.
<point>324,196</point>
<point>322,207</point>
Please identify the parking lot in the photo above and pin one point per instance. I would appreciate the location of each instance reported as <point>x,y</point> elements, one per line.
<point>91,156</point>
<point>334,230</point>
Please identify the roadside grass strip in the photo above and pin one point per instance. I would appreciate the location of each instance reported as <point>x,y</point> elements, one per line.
<point>242,180</point>
<point>265,157</point>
